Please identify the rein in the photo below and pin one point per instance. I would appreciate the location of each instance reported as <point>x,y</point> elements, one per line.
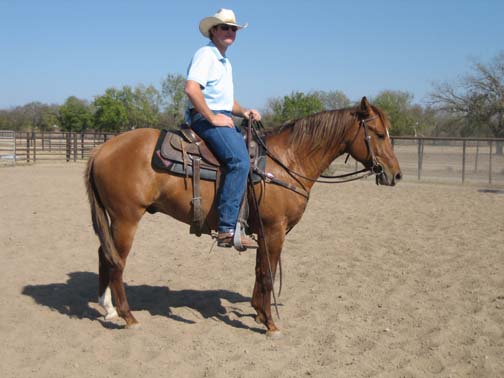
<point>375,169</point>
<point>261,233</point>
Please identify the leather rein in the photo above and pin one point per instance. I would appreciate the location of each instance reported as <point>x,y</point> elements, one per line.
<point>375,169</point>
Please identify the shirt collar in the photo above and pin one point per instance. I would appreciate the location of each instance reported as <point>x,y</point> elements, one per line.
<point>216,51</point>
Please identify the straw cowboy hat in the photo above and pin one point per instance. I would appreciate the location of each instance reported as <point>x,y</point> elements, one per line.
<point>223,16</point>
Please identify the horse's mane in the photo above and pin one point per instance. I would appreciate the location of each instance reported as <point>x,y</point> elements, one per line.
<point>315,130</point>
<point>320,130</point>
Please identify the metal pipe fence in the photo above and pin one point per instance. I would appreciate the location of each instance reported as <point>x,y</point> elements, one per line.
<point>448,160</point>
<point>451,159</point>
<point>472,160</point>
<point>31,147</point>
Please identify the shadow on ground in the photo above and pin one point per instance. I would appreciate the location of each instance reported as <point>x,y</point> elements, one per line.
<point>72,298</point>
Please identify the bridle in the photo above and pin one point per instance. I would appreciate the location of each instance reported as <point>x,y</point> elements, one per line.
<point>375,169</point>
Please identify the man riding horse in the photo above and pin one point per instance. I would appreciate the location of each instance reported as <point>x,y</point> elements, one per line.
<point>123,184</point>
<point>209,87</point>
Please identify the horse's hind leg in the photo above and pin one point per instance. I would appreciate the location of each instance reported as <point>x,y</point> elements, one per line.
<point>104,293</point>
<point>122,234</point>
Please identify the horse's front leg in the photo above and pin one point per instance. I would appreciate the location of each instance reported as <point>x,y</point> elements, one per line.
<point>261,297</point>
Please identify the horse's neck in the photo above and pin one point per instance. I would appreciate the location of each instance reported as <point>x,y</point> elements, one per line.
<point>310,163</point>
<point>319,161</point>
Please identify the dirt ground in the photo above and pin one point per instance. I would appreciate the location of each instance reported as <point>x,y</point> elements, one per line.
<point>378,282</point>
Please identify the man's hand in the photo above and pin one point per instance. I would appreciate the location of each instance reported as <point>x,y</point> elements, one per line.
<point>222,120</point>
<point>252,113</point>
<point>193,91</point>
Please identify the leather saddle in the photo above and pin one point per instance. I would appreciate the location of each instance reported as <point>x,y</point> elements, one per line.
<point>184,153</point>
<point>176,152</point>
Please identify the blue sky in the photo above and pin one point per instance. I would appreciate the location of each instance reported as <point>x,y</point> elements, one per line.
<point>51,49</point>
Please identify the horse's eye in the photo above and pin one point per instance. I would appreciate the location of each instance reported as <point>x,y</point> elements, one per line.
<point>380,136</point>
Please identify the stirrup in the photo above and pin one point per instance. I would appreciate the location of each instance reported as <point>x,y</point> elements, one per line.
<point>237,238</point>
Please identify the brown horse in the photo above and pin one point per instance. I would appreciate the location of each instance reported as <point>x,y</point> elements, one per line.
<point>122,186</point>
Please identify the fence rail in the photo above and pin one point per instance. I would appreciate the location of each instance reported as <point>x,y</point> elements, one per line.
<point>452,159</point>
<point>449,160</point>
<point>421,158</point>
<point>31,147</point>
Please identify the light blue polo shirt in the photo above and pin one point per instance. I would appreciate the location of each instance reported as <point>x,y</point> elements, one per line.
<point>215,75</point>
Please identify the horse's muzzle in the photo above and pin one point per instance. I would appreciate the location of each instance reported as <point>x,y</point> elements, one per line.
<point>388,178</point>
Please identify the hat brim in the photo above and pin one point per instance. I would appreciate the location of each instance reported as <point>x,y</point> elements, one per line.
<point>209,22</point>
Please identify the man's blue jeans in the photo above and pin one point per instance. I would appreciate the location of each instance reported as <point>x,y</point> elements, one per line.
<point>230,149</point>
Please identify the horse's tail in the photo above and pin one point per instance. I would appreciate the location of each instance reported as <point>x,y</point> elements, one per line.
<point>99,216</point>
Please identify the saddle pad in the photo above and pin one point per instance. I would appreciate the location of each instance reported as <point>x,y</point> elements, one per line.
<point>173,166</point>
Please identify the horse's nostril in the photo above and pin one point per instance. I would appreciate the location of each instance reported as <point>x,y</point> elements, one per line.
<point>398,176</point>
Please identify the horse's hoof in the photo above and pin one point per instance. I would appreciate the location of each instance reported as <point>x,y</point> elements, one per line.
<point>111,315</point>
<point>274,335</point>
<point>259,319</point>
<point>133,326</point>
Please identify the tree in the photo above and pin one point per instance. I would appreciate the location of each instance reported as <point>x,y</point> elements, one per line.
<point>405,118</point>
<point>291,107</point>
<point>5,123</point>
<point>32,116</point>
<point>173,93</point>
<point>49,118</point>
<point>127,108</point>
<point>14,119</point>
<point>332,99</point>
<point>75,115</point>
<point>477,99</point>
<point>142,106</point>
<point>111,113</point>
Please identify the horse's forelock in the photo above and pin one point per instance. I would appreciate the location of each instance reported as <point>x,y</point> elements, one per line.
<point>383,117</point>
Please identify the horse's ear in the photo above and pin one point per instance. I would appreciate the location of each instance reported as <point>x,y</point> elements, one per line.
<point>364,106</point>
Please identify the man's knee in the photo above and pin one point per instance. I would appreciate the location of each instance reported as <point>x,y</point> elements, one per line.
<point>240,164</point>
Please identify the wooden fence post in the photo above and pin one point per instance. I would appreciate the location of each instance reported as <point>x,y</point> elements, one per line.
<point>82,145</point>
<point>68,146</point>
<point>74,146</point>
<point>477,157</point>
<point>463,159</point>
<point>490,164</point>
<point>27,147</point>
<point>34,138</point>
<point>15,147</point>
<point>420,157</point>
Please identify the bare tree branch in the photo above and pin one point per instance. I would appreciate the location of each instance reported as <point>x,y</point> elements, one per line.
<point>478,97</point>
